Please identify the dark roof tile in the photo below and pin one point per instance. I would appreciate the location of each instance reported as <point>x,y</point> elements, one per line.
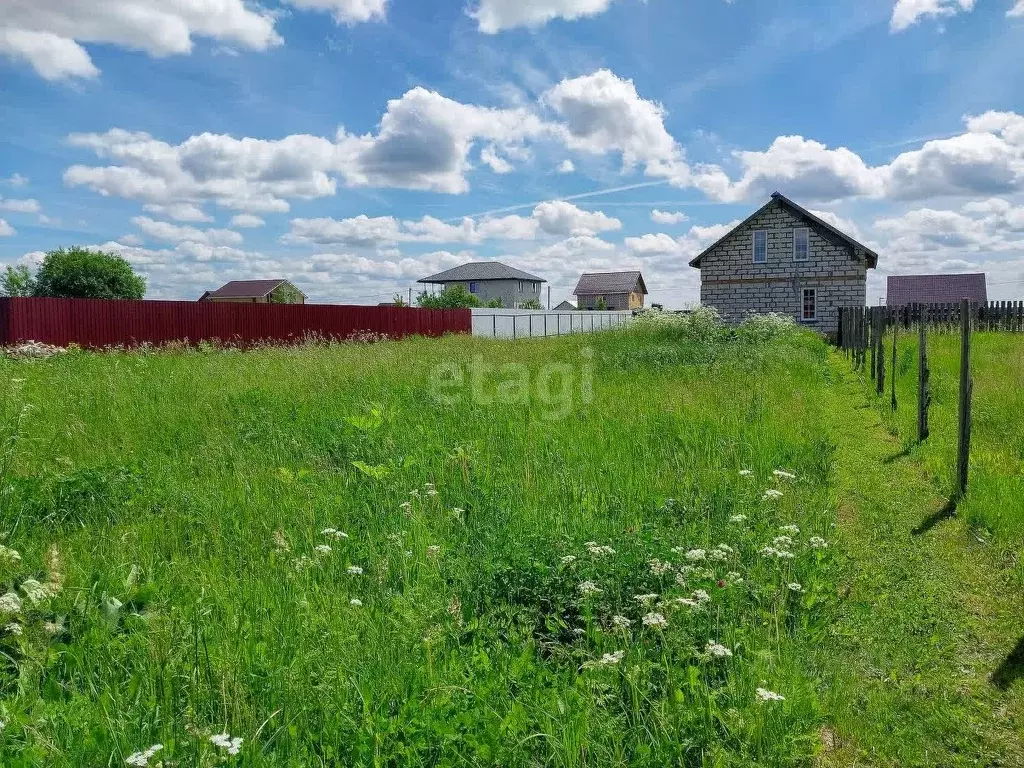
<point>935,289</point>
<point>594,283</point>
<point>481,270</point>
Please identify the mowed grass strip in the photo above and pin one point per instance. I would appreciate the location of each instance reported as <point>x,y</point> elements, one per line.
<point>411,553</point>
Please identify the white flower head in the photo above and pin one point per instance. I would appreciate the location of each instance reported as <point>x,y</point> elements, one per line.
<point>646,600</point>
<point>323,549</point>
<point>355,602</point>
<point>789,529</point>
<point>658,568</point>
<point>701,596</point>
<point>771,494</point>
<point>621,621</point>
<point>795,587</point>
<point>14,628</point>
<point>587,588</point>
<point>334,533</point>
<point>10,603</point>
<point>354,570</point>
<point>568,559</point>
<point>37,592</point>
<point>53,628</point>
<point>784,475</point>
<point>816,542</point>
<point>746,473</point>
<point>655,620</point>
<point>607,659</point>
<point>782,541</point>
<point>225,741</point>
<point>10,555</point>
<point>141,759</point>
<point>717,650</point>
<point>764,695</point>
<point>599,550</point>
<point>733,577</point>
<point>696,555</point>
<point>738,519</point>
<point>780,554</point>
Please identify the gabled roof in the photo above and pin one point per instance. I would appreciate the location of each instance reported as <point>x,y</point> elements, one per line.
<point>935,289</point>
<point>803,213</point>
<point>481,270</point>
<point>246,289</point>
<point>593,283</point>
<point>565,305</point>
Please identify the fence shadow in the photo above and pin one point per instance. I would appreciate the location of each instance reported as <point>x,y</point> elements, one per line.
<point>948,511</point>
<point>1011,669</point>
<point>897,456</point>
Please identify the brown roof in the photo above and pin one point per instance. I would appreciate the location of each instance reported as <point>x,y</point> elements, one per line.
<point>594,283</point>
<point>803,213</point>
<point>245,289</point>
<point>935,289</point>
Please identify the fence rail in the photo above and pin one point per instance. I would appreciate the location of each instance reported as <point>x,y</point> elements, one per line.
<point>103,323</point>
<point>993,316</point>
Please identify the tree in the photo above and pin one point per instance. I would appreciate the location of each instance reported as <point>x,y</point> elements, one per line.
<point>531,304</point>
<point>286,293</point>
<point>16,281</point>
<point>452,297</point>
<point>398,301</point>
<point>76,273</point>
<point>601,305</point>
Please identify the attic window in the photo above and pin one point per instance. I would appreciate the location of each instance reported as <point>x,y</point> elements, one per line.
<point>760,246</point>
<point>801,244</point>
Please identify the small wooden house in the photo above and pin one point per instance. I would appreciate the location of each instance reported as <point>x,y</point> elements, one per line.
<point>256,292</point>
<point>611,290</point>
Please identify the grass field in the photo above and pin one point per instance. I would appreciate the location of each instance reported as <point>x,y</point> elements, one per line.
<point>613,549</point>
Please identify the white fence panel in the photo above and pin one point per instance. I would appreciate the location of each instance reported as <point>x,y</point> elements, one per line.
<point>525,323</point>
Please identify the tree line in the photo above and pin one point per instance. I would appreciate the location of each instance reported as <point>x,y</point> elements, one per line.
<point>75,273</point>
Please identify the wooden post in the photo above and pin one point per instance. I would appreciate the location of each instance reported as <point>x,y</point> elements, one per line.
<point>966,386</point>
<point>880,376</point>
<point>892,370</point>
<point>924,395</point>
<point>873,340</point>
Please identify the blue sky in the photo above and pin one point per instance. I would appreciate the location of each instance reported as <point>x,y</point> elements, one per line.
<point>354,146</point>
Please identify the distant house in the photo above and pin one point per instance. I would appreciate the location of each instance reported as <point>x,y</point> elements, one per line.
<point>617,290</point>
<point>256,292</point>
<point>489,280</point>
<point>784,259</point>
<point>565,306</point>
<point>935,289</point>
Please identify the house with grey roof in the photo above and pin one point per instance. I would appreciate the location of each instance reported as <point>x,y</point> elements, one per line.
<point>611,290</point>
<point>489,280</point>
<point>785,259</point>
<point>565,306</point>
<point>902,290</point>
<point>257,292</point>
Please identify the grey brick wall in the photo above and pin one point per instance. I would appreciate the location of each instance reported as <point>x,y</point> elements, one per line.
<point>506,290</point>
<point>734,285</point>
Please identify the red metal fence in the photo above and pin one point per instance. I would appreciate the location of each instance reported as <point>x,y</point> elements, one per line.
<point>103,323</point>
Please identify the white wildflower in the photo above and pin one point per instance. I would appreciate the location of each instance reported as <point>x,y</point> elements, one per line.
<point>323,549</point>
<point>646,599</point>
<point>784,475</point>
<point>717,650</point>
<point>770,494</point>
<point>458,511</point>
<point>280,541</point>
<point>780,554</point>
<point>431,492</point>
<point>738,519</point>
<point>782,541</point>
<point>406,505</point>
<point>225,741</point>
<point>433,550</point>
<point>10,603</point>
<point>53,628</point>
<point>816,542</point>
<point>795,587</point>
<point>701,596</point>
<point>746,473</point>
<point>681,579</point>
<point>733,577</point>
<point>686,602</point>
<point>568,559</point>
<point>599,550</point>
<point>587,588</point>
<point>13,629</point>
<point>789,529</point>
<point>655,620</point>
<point>718,555</point>
<point>606,660</point>
<point>334,533</point>
<point>354,570</point>
<point>763,695</point>
<point>621,621</point>
<point>414,492</point>
<point>141,759</point>
<point>10,555</point>
<point>37,592</point>
<point>696,555</point>
<point>658,568</point>
<point>355,602</point>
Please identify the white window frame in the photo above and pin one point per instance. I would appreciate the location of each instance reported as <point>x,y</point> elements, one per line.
<point>807,254</point>
<point>753,244</point>
<point>520,286</point>
<point>803,303</point>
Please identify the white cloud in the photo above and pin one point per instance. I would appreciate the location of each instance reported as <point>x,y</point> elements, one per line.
<point>906,13</point>
<point>246,221</point>
<point>179,211</point>
<point>6,230</point>
<point>492,16</point>
<point>174,233</point>
<point>1017,10</point>
<point>47,33</point>
<point>653,245</point>
<point>562,218</point>
<point>568,166</point>
<point>359,232</point>
<point>19,206</point>
<point>980,227</point>
<point>668,217</point>
<point>489,156</point>
<point>17,180</point>
<point>346,11</point>
<point>843,225</point>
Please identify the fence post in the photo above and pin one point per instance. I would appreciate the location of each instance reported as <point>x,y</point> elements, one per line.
<point>494,326</point>
<point>966,388</point>
<point>872,334</point>
<point>924,394</point>
<point>892,370</point>
<point>880,338</point>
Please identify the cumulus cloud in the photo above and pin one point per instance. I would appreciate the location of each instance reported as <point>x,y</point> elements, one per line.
<point>179,211</point>
<point>562,218</point>
<point>668,217</point>
<point>6,230</point>
<point>980,227</point>
<point>906,13</point>
<point>346,11</point>
<point>568,166</point>
<point>492,16</point>
<point>47,34</point>
<point>175,233</point>
<point>17,180</point>
<point>246,221</point>
<point>19,206</point>
<point>489,156</point>
<point>1017,10</point>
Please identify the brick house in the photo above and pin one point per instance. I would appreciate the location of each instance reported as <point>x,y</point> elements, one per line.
<point>785,259</point>
<point>489,280</point>
<point>618,290</point>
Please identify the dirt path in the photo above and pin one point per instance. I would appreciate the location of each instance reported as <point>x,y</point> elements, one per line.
<point>927,614</point>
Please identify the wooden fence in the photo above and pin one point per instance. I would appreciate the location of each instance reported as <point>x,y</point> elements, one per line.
<point>103,323</point>
<point>993,316</point>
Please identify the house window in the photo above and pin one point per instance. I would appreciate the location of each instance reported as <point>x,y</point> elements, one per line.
<point>520,286</point>
<point>474,287</point>
<point>760,246</point>
<point>801,244</point>
<point>809,311</point>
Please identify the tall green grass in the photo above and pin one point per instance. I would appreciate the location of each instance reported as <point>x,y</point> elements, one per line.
<point>996,480</point>
<point>171,506</point>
